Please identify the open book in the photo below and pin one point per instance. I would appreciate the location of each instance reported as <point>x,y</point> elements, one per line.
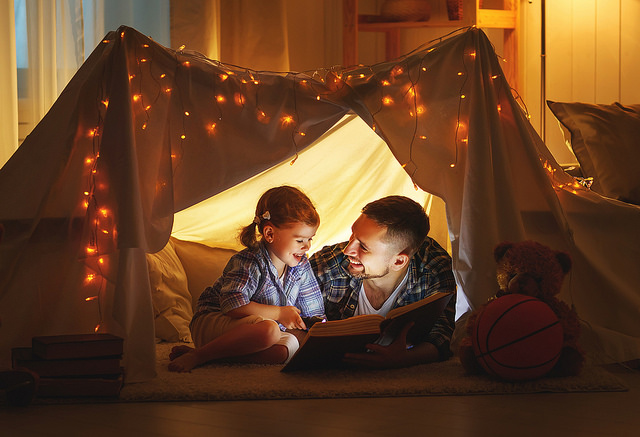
<point>326,343</point>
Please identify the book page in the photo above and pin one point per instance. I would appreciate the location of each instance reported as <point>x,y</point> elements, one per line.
<point>364,324</point>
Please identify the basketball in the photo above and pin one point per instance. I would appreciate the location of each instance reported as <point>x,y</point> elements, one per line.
<point>517,338</point>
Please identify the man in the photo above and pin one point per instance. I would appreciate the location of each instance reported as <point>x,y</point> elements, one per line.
<point>388,262</point>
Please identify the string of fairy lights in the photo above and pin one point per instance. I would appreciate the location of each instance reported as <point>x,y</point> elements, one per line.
<point>243,86</point>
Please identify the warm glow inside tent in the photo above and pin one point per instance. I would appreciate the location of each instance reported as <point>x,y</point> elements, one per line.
<point>146,141</point>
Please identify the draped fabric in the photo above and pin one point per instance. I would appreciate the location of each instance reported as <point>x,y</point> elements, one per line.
<point>143,132</point>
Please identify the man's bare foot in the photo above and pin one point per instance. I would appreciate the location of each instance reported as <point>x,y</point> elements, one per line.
<point>178,351</point>
<point>184,362</point>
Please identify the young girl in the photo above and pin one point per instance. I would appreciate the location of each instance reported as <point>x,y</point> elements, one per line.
<point>264,289</point>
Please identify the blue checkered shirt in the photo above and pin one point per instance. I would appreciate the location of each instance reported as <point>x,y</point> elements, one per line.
<point>429,271</point>
<point>251,276</point>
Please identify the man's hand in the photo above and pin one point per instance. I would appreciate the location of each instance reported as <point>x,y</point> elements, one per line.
<point>290,318</point>
<point>395,355</point>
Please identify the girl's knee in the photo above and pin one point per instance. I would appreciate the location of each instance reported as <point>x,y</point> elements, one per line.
<point>268,332</point>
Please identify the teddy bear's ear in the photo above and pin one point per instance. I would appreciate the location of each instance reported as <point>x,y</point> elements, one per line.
<point>501,249</point>
<point>565,261</point>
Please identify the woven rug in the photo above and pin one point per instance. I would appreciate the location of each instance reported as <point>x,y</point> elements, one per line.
<point>252,381</point>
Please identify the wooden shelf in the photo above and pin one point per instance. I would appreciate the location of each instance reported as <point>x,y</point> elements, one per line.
<point>506,18</point>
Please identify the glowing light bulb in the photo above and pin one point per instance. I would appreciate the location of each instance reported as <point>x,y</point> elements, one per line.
<point>286,120</point>
<point>136,97</point>
<point>183,136</point>
<point>262,116</point>
<point>387,101</point>
<point>220,98</point>
<point>90,298</point>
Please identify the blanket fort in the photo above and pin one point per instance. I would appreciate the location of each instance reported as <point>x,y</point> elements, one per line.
<point>142,132</point>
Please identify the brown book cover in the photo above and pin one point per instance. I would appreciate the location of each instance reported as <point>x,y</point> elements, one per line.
<point>81,386</point>
<point>23,357</point>
<point>326,343</point>
<point>55,347</point>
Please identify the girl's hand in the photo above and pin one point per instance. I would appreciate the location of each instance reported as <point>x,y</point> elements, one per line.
<point>290,318</point>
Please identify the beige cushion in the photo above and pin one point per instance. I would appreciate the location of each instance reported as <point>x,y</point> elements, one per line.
<point>202,264</point>
<point>170,294</point>
<point>606,142</point>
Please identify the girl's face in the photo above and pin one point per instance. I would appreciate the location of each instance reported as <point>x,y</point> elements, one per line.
<point>288,244</point>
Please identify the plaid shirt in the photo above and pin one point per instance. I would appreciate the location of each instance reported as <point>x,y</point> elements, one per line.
<point>251,276</point>
<point>429,271</point>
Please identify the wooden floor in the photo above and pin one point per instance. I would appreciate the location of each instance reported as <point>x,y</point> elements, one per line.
<point>576,414</point>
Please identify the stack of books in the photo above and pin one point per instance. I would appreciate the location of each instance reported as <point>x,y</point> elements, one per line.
<point>74,365</point>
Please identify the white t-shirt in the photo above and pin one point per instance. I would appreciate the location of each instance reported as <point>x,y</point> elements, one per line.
<point>365,307</point>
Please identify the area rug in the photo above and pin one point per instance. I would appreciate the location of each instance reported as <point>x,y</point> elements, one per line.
<point>224,382</point>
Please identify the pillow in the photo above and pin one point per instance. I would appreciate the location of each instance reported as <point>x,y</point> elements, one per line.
<point>202,264</point>
<point>606,142</point>
<point>170,295</point>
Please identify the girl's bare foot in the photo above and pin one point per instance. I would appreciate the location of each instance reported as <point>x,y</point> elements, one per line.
<point>178,351</point>
<point>185,362</point>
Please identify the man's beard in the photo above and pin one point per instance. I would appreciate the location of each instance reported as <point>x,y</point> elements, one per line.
<point>364,275</point>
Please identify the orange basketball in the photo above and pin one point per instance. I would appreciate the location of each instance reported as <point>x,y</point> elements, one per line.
<point>517,338</point>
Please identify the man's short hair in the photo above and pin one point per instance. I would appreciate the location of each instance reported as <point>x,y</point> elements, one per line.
<point>406,222</point>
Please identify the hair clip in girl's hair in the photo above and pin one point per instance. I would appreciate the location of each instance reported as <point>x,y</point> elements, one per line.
<point>265,216</point>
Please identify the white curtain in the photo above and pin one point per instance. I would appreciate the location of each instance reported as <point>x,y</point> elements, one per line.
<point>55,50</point>
<point>8,83</point>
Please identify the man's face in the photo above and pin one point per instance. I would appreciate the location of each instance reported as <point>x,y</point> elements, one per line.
<point>370,255</point>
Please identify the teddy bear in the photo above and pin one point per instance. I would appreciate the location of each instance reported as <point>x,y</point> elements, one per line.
<point>535,270</point>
